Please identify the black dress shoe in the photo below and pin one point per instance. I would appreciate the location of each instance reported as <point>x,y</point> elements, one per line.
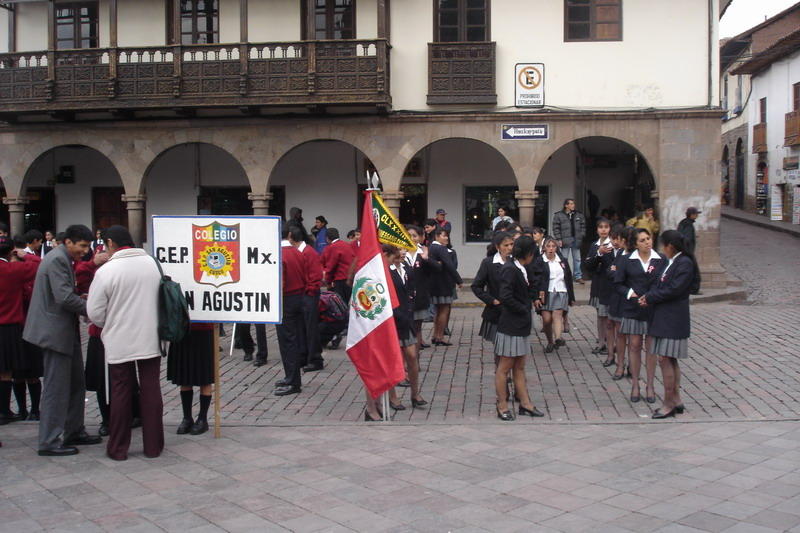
<point>199,427</point>
<point>23,414</point>
<point>404,383</point>
<point>505,416</point>
<point>650,399</point>
<point>657,415</point>
<point>596,350</point>
<point>549,348</point>
<point>82,439</point>
<point>442,343</point>
<point>603,350</point>
<point>617,377</point>
<point>313,368</point>
<point>530,412</point>
<point>560,343</point>
<point>397,406</point>
<point>103,430</point>
<point>185,426</point>
<point>635,398</point>
<point>136,422</point>
<point>609,362</point>
<point>7,418</point>
<point>418,403</point>
<point>337,340</point>
<point>34,416</point>
<point>679,409</point>
<point>286,391</point>
<point>282,383</point>
<point>368,417</point>
<point>259,362</point>
<point>422,345</point>
<point>248,357</point>
<point>58,452</point>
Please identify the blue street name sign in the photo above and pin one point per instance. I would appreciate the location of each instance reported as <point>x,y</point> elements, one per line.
<point>524,132</point>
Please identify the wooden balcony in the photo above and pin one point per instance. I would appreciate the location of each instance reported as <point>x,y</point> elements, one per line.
<point>792,132</point>
<point>461,73</point>
<point>760,138</point>
<point>247,76</point>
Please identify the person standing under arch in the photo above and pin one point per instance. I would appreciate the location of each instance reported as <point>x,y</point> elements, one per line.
<point>569,229</point>
<point>444,281</point>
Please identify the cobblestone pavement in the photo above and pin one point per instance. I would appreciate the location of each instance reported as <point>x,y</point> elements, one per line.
<point>668,477</point>
<point>767,261</point>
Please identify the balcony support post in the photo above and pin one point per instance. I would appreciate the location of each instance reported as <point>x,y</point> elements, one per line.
<point>177,51</point>
<point>384,19</point>
<point>16,213</point>
<point>135,204</point>
<point>526,201</point>
<point>311,48</point>
<point>244,53</point>
<point>51,49</point>
<point>260,202</point>
<point>113,43</point>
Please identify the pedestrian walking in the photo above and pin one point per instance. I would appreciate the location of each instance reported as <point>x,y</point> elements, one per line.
<point>633,278</point>
<point>190,363</point>
<point>52,325</point>
<point>686,229</point>
<point>512,341</point>
<point>486,284</point>
<point>443,284</point>
<point>555,293</point>
<point>123,300</point>
<point>569,229</point>
<point>17,271</point>
<point>291,331</point>
<point>597,262</point>
<point>670,321</point>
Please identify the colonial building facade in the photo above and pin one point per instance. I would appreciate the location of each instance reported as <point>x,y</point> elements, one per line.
<point>116,110</point>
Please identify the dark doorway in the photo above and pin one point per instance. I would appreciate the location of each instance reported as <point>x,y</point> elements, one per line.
<point>277,206</point>
<point>739,201</point>
<point>414,206</point>
<point>3,208</point>
<point>224,201</point>
<point>40,213</point>
<point>108,208</point>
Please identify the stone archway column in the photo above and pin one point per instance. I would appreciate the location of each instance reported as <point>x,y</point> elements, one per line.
<point>135,204</point>
<point>392,200</point>
<point>16,214</point>
<point>260,202</point>
<point>526,201</point>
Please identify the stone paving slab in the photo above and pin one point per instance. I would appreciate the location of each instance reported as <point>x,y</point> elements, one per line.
<point>703,476</point>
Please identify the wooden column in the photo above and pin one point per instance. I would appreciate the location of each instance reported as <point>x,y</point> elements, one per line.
<point>51,47</point>
<point>113,42</point>
<point>12,29</point>
<point>384,19</point>
<point>177,51</point>
<point>311,49</point>
<point>310,22</point>
<point>244,48</point>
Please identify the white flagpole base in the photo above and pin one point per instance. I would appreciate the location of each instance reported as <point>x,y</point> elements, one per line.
<point>385,401</point>
<point>233,339</point>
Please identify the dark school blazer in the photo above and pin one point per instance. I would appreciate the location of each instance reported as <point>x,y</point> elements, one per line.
<point>630,275</point>
<point>614,299</point>
<point>486,286</point>
<point>421,271</point>
<point>444,280</point>
<point>542,270</point>
<point>669,298</point>
<point>404,312</point>
<point>598,265</point>
<point>515,307</point>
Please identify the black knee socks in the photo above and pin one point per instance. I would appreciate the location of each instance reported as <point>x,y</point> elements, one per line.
<point>5,397</point>
<point>205,401</point>
<point>35,390</point>
<point>20,395</point>
<point>186,402</point>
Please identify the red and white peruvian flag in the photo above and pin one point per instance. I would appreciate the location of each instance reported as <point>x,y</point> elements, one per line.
<point>372,342</point>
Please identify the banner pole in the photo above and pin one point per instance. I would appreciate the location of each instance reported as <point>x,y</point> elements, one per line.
<point>385,402</point>
<point>217,428</point>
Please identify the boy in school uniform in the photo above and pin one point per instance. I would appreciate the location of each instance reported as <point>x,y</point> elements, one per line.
<point>291,332</point>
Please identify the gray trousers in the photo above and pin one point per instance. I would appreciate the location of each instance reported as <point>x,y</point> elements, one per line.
<point>63,397</point>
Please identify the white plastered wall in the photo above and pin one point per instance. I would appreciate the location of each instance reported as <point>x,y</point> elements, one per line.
<point>142,23</point>
<point>273,20</point>
<point>4,15</point>
<point>32,27</point>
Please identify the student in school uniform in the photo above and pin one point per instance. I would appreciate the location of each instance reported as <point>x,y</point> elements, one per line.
<point>556,292</point>
<point>443,283</point>
<point>597,262</point>
<point>633,278</point>
<point>336,260</point>
<point>190,363</point>
<point>402,278</point>
<point>422,269</point>
<point>17,269</point>
<point>670,321</point>
<point>311,359</point>
<point>512,340</point>
<point>486,285</point>
<point>616,343</point>
<point>291,332</point>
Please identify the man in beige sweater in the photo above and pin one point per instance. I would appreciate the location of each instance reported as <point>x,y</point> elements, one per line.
<point>123,300</point>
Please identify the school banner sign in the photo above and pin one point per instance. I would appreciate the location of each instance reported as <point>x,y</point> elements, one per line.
<point>229,267</point>
<point>390,231</point>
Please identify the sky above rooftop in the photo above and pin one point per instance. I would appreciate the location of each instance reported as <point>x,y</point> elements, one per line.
<point>744,14</point>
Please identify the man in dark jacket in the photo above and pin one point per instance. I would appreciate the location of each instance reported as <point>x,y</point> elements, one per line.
<point>686,228</point>
<point>569,229</point>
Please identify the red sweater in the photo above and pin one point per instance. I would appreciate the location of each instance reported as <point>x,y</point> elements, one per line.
<point>313,270</point>
<point>336,260</point>
<point>14,277</point>
<point>294,275</point>
<point>84,274</point>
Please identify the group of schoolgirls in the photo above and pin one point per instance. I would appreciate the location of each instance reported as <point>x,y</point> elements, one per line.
<point>642,303</point>
<point>522,272</point>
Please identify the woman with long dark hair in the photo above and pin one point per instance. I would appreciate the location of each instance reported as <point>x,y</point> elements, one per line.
<point>486,285</point>
<point>556,292</point>
<point>443,284</point>
<point>633,278</point>
<point>670,322</point>
<point>422,268</point>
<point>617,343</point>
<point>512,340</point>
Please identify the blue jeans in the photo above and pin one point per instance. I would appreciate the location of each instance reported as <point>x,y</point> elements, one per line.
<point>573,256</point>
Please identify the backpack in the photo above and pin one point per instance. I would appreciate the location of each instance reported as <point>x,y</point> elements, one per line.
<point>173,311</point>
<point>335,309</point>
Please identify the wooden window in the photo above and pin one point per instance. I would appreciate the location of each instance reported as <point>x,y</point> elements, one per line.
<point>76,25</point>
<point>199,21</point>
<point>461,21</point>
<point>333,19</point>
<point>762,110</point>
<point>592,20</point>
<point>796,97</point>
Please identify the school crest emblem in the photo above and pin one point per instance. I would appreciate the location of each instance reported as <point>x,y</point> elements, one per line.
<point>369,297</point>
<point>215,255</point>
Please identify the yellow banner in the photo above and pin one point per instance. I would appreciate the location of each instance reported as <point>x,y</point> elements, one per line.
<point>390,231</point>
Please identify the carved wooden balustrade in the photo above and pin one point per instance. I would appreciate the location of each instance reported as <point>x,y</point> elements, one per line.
<point>245,75</point>
<point>461,73</point>
<point>792,128</point>
<point>760,138</point>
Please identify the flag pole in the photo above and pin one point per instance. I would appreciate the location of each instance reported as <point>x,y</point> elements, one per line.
<point>385,401</point>
<point>233,339</point>
<point>217,429</point>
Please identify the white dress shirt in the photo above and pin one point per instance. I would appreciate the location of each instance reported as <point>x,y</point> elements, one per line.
<point>645,265</point>
<point>557,283</point>
<point>522,269</point>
